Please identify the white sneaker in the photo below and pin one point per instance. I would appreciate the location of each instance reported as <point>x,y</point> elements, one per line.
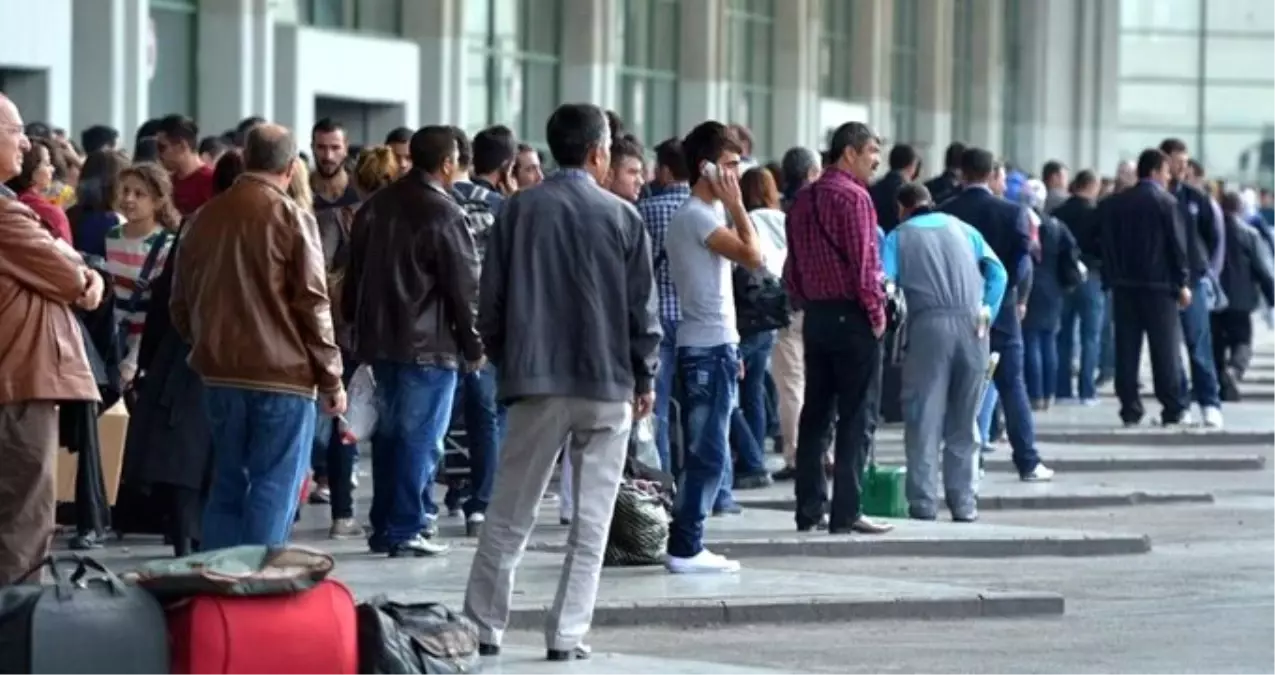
<point>1090,402</point>
<point>1041,474</point>
<point>704,562</point>
<point>1212,417</point>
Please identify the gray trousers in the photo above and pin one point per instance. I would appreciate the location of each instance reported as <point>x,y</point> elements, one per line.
<point>28,446</point>
<point>596,434</point>
<point>942,382</point>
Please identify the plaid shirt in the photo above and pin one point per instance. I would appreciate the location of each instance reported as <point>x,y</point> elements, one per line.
<point>815,270</point>
<point>657,211</point>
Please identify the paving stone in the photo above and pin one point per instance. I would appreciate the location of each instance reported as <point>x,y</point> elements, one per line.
<point>1071,458</point>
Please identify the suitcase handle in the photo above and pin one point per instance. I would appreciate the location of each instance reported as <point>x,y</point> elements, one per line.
<point>83,564</point>
<point>82,570</point>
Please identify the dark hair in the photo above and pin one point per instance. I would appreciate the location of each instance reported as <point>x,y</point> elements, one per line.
<point>743,137</point>
<point>1052,168</point>
<point>180,128</point>
<point>464,149</point>
<point>148,128</point>
<point>902,156</point>
<point>228,168</point>
<point>615,123</point>
<point>525,147</point>
<point>855,135</point>
<point>626,146</point>
<point>240,134</point>
<point>1084,180</point>
<point>269,149</point>
<point>797,164</point>
<point>1150,161</point>
<point>1196,167</point>
<point>669,155</point>
<point>230,138</point>
<point>912,195</point>
<point>1172,146</point>
<point>573,130</point>
<point>212,145</point>
<point>1231,203</point>
<point>757,186</point>
<point>97,137</point>
<point>326,125</point>
<point>776,172</point>
<point>706,143</point>
<point>145,150</point>
<point>98,180</point>
<point>494,150</point>
<point>36,130</point>
<point>399,135</point>
<point>431,146</point>
<point>30,162</point>
<point>977,165</point>
<point>160,185</point>
<point>952,156</point>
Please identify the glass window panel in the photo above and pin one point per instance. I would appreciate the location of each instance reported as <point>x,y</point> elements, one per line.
<point>380,16</point>
<point>505,17</point>
<point>636,36</point>
<point>1181,15</point>
<point>171,89</point>
<point>1239,58</point>
<point>1159,104</point>
<point>759,123</point>
<point>633,96</point>
<point>1131,142</point>
<point>1241,16</point>
<point>327,13</point>
<point>540,92</point>
<point>761,54</point>
<point>1144,55</point>
<point>542,23</point>
<point>1238,106</point>
<point>664,37</point>
<point>1223,150</point>
<point>478,19</point>
<point>662,119</point>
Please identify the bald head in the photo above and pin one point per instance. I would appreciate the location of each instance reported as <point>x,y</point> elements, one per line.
<point>269,149</point>
<point>13,140</point>
<point>1126,174</point>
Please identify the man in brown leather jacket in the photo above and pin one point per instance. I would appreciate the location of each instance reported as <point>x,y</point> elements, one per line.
<point>408,297</point>
<point>42,360</point>
<point>250,297</point>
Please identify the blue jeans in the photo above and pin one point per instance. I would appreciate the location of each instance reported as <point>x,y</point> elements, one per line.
<point>1040,363</point>
<point>1107,357</point>
<point>986,411</point>
<point>414,407</point>
<point>755,351</point>
<point>485,431</point>
<point>1084,305</point>
<point>261,449</point>
<point>710,380</point>
<point>1197,333</point>
<point>1020,426</point>
<point>664,392</point>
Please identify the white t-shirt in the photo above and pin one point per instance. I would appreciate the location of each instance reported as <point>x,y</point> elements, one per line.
<point>702,278</point>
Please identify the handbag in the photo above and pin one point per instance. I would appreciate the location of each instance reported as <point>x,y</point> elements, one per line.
<point>415,638</point>
<point>86,622</point>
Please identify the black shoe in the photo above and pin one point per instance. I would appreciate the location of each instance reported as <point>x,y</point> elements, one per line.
<point>965,517</point>
<point>84,542</point>
<point>732,509</point>
<point>418,547</point>
<point>786,473</point>
<point>754,482</point>
<point>821,524</point>
<point>485,649</point>
<point>578,653</point>
<point>922,515</point>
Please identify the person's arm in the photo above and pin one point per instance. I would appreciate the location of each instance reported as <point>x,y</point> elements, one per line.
<point>31,256</point>
<point>1024,243</point>
<point>1206,225</point>
<point>890,256</point>
<point>792,278</point>
<point>309,303</point>
<point>644,307</point>
<point>1173,229</point>
<point>1262,268</point>
<point>737,244</point>
<point>858,230</point>
<point>1218,256</point>
<point>995,278</point>
<point>456,255</point>
<point>492,292</point>
<point>353,261</point>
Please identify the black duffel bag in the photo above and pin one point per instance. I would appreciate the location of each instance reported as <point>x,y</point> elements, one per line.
<point>415,638</point>
<point>85,622</point>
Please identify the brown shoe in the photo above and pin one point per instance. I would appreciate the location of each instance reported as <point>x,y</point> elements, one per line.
<point>865,526</point>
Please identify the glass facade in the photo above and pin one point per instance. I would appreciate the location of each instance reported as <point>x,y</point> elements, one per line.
<point>750,58</point>
<point>513,65</point>
<point>1012,104</point>
<point>647,73</point>
<point>1200,71</point>
<point>174,28</point>
<point>905,67</point>
<point>963,36</point>
<point>383,17</point>
<point>836,51</point>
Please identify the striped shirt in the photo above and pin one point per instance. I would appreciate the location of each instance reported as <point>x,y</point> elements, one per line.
<point>124,260</point>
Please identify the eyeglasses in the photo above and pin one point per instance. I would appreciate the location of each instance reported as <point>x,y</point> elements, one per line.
<point>16,129</point>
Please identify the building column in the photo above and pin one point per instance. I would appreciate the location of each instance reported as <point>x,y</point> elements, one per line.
<point>436,25</point>
<point>111,65</point>
<point>232,84</point>
<point>588,58</point>
<point>934,81</point>
<point>870,77</point>
<point>795,104</point>
<point>1104,151</point>
<point>701,63</point>
<point>988,65</point>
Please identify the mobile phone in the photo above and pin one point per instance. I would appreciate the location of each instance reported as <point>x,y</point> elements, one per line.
<point>711,171</point>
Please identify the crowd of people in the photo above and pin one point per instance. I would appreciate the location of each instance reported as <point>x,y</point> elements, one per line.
<point>740,304</point>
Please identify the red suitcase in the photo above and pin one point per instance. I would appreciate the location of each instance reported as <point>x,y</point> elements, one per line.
<point>310,632</point>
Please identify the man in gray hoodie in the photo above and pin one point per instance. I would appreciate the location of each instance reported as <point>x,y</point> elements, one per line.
<point>568,315</point>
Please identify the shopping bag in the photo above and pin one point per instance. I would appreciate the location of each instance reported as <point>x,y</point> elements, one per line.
<point>359,422</point>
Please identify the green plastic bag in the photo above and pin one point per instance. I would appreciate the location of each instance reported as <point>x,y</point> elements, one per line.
<point>884,491</point>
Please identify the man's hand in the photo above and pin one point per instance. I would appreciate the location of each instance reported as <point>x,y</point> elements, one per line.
<point>742,370</point>
<point>128,373</point>
<point>984,320</point>
<point>334,404</point>
<point>878,330</point>
<point>643,404</point>
<point>1022,311</point>
<point>1184,297</point>
<point>726,188</point>
<point>92,295</point>
<point>475,366</point>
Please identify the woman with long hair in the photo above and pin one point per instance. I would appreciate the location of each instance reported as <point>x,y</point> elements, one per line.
<point>94,214</point>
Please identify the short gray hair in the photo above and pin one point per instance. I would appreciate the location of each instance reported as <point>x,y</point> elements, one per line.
<point>269,148</point>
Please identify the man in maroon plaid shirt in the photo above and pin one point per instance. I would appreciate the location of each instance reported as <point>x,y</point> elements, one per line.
<point>833,272</point>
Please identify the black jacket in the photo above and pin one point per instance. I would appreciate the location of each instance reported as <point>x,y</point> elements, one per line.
<point>885,198</point>
<point>1080,217</point>
<point>1199,228</point>
<point>1245,271</point>
<point>1005,226</point>
<point>943,187</point>
<point>1143,240</point>
<point>412,279</point>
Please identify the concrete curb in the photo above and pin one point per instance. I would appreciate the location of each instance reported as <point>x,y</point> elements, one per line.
<point>1248,395</point>
<point>1159,438</point>
<point>815,609</point>
<point>1117,464</point>
<point>1044,502</point>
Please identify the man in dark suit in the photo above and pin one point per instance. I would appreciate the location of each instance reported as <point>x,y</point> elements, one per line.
<point>945,185</point>
<point>905,163</point>
<point>1006,228</point>
<point>1147,266</point>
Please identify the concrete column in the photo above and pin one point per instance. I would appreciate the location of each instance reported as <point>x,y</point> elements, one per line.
<point>1051,84</point>
<point>109,72</point>
<point>934,81</point>
<point>232,82</point>
<point>588,64</point>
<point>870,80</point>
<point>702,63</point>
<point>987,53</point>
<point>1106,106</point>
<point>795,105</point>
<point>437,26</point>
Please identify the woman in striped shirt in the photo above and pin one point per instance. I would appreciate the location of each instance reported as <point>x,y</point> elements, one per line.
<point>146,201</point>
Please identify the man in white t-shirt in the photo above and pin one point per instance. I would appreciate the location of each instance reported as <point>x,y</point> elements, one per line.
<point>701,248</point>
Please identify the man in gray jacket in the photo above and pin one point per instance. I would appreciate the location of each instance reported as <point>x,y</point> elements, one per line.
<point>568,315</point>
